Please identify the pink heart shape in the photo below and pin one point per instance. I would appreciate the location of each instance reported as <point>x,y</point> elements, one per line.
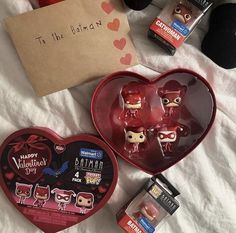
<point>114,25</point>
<point>120,44</point>
<point>164,142</point>
<point>107,7</point>
<point>126,60</point>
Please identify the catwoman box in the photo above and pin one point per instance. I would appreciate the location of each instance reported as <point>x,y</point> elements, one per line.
<point>176,22</point>
<point>54,182</point>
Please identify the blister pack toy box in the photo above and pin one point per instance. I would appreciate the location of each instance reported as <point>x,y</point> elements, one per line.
<point>150,207</point>
<point>176,22</point>
<point>153,123</point>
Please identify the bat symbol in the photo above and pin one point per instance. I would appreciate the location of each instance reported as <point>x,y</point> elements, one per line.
<point>51,172</point>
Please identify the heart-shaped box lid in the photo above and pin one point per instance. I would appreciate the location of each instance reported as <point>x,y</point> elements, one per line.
<point>55,182</point>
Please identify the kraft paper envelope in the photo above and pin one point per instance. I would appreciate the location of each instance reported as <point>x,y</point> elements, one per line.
<point>72,42</point>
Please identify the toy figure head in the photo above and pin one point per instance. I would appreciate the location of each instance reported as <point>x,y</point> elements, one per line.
<point>23,190</point>
<point>63,196</point>
<point>41,192</point>
<point>182,13</point>
<point>149,210</point>
<point>167,136</point>
<point>172,93</point>
<point>132,96</point>
<point>85,200</point>
<point>135,134</point>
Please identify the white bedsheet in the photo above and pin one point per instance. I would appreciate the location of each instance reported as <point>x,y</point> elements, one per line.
<point>206,178</point>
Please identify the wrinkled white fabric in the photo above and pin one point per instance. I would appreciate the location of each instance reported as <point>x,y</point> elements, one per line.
<point>206,178</point>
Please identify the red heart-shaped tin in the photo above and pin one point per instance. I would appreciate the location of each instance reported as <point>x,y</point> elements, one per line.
<point>55,182</point>
<point>153,124</point>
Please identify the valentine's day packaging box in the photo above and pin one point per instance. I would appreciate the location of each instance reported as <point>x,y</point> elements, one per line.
<point>55,182</point>
<point>150,207</point>
<point>73,41</point>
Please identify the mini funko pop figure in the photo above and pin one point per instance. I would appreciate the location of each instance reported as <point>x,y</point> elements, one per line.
<point>133,99</point>
<point>23,191</point>
<point>63,197</point>
<point>84,202</point>
<point>41,195</point>
<point>147,210</point>
<point>168,135</point>
<point>172,94</point>
<point>182,13</point>
<point>134,136</point>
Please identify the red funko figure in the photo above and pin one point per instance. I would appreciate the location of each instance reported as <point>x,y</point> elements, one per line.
<point>41,195</point>
<point>63,197</point>
<point>182,13</point>
<point>84,202</point>
<point>133,99</point>
<point>172,94</point>
<point>134,136</point>
<point>148,210</point>
<point>23,191</point>
<point>168,135</point>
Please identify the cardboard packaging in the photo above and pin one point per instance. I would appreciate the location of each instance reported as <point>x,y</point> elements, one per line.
<point>176,22</point>
<point>56,182</point>
<point>72,42</point>
<point>151,206</point>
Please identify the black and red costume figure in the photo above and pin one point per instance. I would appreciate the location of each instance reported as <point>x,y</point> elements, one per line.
<point>172,94</point>
<point>168,134</point>
<point>133,100</point>
<point>134,136</point>
<point>23,191</point>
<point>41,195</point>
<point>84,202</point>
<point>182,13</point>
<point>148,210</point>
<point>63,197</point>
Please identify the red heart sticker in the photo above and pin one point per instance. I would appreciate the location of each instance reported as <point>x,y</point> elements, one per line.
<point>56,190</point>
<point>153,124</point>
<point>126,60</point>
<point>120,44</point>
<point>28,159</point>
<point>107,7</point>
<point>114,25</point>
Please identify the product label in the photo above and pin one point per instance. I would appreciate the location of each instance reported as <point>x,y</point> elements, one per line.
<point>93,178</point>
<point>164,198</point>
<point>129,225</point>
<point>202,4</point>
<point>91,154</point>
<point>146,225</point>
<point>180,28</point>
<point>167,32</point>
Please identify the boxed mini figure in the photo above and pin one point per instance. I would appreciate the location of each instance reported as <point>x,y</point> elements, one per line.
<point>176,22</point>
<point>153,203</point>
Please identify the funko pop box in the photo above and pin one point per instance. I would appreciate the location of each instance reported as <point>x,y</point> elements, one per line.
<point>176,22</point>
<point>152,204</point>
